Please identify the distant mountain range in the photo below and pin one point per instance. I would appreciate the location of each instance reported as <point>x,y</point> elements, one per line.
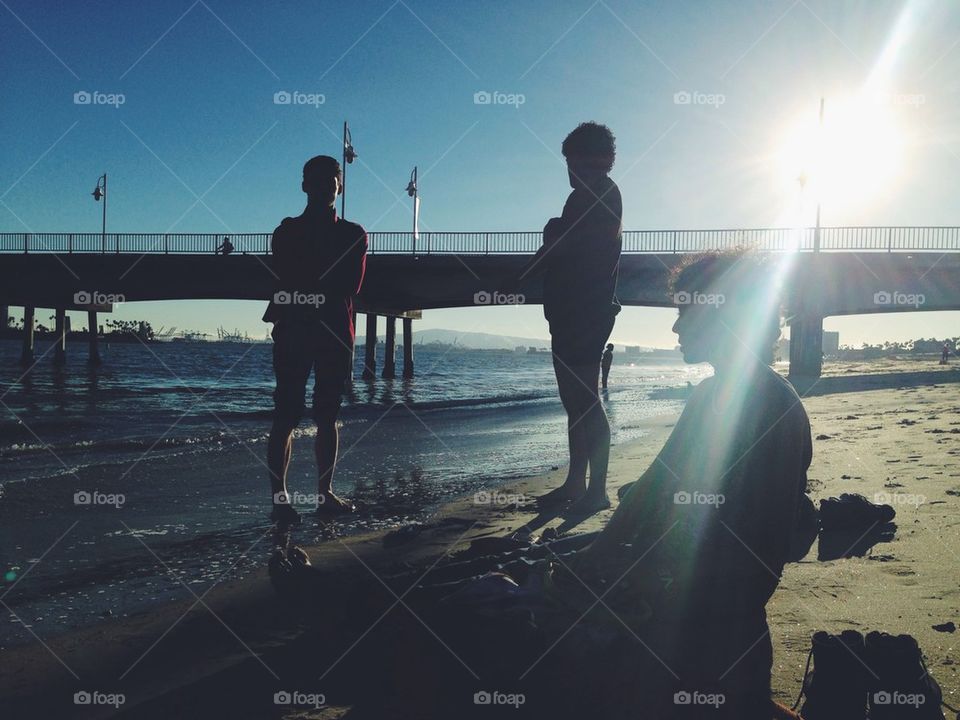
<point>474,340</point>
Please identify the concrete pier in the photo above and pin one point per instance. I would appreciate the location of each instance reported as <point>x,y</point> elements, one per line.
<point>27,353</point>
<point>390,353</point>
<point>4,317</point>
<point>93,355</point>
<point>806,347</point>
<point>60,353</point>
<point>370,352</point>
<point>408,347</point>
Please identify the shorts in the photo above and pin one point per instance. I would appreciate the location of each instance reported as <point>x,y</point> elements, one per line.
<point>298,350</point>
<point>581,343</point>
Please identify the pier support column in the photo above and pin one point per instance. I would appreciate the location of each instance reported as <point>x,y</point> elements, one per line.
<point>806,347</point>
<point>4,318</point>
<point>93,356</point>
<point>27,354</point>
<point>408,347</point>
<point>60,354</point>
<point>370,351</point>
<point>390,354</point>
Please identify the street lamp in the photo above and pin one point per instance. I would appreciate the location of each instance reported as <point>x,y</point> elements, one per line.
<point>100,193</point>
<point>349,155</point>
<point>412,192</point>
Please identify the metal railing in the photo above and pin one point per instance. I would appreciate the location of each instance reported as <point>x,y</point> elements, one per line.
<point>878,239</point>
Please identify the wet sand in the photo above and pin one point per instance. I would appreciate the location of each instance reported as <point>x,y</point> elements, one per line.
<point>228,652</point>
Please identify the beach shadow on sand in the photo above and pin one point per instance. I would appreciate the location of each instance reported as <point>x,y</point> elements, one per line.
<point>837,544</point>
<point>879,381</point>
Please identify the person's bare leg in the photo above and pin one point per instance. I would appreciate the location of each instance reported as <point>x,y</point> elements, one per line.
<point>596,430</point>
<point>279,452</point>
<point>575,483</point>
<point>325,448</point>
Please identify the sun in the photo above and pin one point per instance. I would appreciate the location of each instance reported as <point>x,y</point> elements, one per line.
<point>845,162</point>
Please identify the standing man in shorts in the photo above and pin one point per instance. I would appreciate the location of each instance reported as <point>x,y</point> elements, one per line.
<point>580,258</point>
<point>319,261</point>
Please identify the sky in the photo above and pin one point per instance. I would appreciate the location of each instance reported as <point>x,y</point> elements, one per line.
<point>709,102</point>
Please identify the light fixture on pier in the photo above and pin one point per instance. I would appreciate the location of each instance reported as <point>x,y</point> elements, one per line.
<point>100,193</point>
<point>413,192</point>
<point>349,155</point>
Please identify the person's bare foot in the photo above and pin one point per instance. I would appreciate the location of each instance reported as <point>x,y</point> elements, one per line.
<point>588,505</point>
<point>285,515</point>
<point>560,496</point>
<point>331,503</point>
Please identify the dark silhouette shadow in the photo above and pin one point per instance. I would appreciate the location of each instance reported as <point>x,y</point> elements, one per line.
<point>579,261</point>
<point>837,544</point>
<point>859,383</point>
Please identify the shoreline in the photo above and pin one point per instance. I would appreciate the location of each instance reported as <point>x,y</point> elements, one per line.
<point>862,444</point>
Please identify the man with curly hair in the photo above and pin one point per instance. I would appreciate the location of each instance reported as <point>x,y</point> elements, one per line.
<point>579,259</point>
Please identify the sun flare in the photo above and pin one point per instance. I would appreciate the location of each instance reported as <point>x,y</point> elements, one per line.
<point>845,161</point>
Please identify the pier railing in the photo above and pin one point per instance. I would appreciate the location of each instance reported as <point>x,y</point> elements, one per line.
<point>877,239</point>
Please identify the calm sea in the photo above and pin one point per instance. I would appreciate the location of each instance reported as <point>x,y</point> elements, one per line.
<point>167,441</point>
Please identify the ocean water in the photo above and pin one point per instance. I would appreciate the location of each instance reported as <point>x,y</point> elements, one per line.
<point>167,443</point>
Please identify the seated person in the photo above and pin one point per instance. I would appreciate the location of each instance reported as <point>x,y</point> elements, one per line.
<point>701,538</point>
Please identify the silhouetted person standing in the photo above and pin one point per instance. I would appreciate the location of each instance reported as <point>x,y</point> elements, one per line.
<point>319,260</point>
<point>945,354</point>
<point>605,362</point>
<point>580,258</point>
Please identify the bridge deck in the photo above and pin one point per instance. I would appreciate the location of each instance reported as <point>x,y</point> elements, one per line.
<point>861,239</point>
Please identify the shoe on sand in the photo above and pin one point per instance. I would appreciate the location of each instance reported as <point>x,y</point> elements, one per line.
<point>902,688</point>
<point>851,511</point>
<point>836,688</point>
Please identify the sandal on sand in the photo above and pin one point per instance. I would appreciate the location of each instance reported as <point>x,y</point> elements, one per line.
<point>851,511</point>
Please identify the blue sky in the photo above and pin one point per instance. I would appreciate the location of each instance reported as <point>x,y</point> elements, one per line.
<point>198,120</point>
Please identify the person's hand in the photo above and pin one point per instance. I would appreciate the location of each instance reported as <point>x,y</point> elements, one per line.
<point>552,231</point>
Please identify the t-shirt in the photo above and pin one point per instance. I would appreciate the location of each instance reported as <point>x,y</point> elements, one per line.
<point>319,261</point>
<point>721,505</point>
<point>581,266</point>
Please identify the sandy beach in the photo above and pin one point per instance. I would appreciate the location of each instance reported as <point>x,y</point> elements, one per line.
<point>889,430</point>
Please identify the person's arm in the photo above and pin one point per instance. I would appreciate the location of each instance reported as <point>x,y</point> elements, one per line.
<point>345,277</point>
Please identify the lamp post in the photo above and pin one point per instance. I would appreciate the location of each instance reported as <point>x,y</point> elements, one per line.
<point>349,155</point>
<point>412,192</point>
<point>816,231</point>
<point>100,193</point>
